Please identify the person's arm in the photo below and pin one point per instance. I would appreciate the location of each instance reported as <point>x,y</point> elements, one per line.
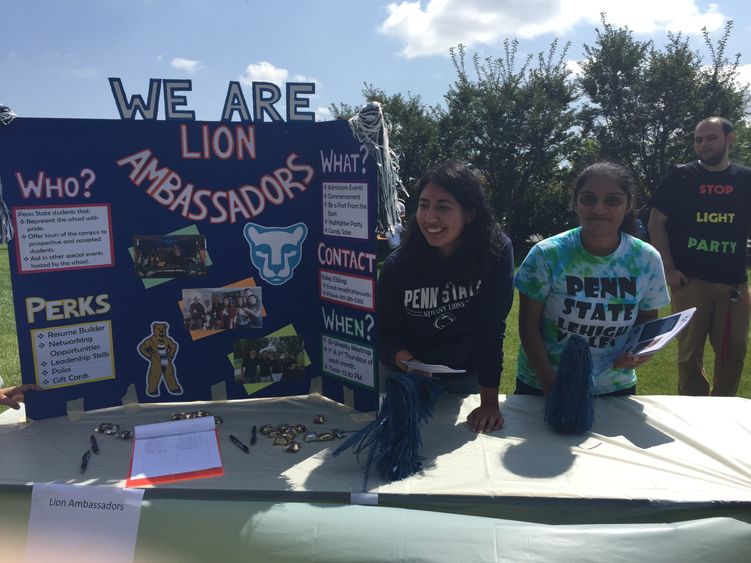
<point>12,396</point>
<point>530,318</point>
<point>254,315</point>
<point>645,316</point>
<point>487,417</point>
<point>655,295</point>
<point>489,329</point>
<point>626,360</point>
<point>658,236</point>
<point>392,322</point>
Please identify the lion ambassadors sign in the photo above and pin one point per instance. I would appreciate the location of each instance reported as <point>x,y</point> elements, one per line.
<point>169,259</point>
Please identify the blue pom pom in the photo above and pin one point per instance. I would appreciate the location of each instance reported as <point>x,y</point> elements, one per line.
<point>570,406</point>
<point>392,441</point>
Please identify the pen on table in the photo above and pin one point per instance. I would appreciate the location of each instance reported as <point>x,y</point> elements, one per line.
<point>94,445</point>
<point>253,437</point>
<point>239,444</point>
<point>85,460</point>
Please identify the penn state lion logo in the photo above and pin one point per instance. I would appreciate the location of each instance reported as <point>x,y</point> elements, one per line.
<point>275,251</point>
<point>444,321</point>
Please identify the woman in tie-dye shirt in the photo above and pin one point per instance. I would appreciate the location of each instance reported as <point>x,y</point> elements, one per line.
<point>596,281</point>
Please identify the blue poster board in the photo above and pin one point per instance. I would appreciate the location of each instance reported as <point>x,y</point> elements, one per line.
<point>168,257</point>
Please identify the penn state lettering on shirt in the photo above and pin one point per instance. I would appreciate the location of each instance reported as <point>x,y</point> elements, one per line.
<point>601,287</point>
<point>430,301</point>
<point>588,312</point>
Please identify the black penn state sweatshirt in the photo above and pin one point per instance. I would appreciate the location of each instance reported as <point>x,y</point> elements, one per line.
<point>443,315</point>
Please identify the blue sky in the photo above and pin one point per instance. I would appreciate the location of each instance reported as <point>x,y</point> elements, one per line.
<point>57,54</point>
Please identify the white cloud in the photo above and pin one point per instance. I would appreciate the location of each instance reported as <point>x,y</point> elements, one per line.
<point>574,67</point>
<point>323,114</point>
<point>85,73</point>
<point>302,78</point>
<point>744,74</point>
<point>188,65</point>
<point>264,72</point>
<point>440,24</point>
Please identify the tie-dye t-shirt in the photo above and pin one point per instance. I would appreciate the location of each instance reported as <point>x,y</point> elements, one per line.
<point>596,297</point>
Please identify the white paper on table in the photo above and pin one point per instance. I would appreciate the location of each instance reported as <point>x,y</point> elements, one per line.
<point>82,523</point>
<point>431,368</point>
<point>170,448</point>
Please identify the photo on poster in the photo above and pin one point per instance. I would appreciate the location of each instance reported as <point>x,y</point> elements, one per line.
<point>170,256</point>
<point>269,359</point>
<point>215,309</point>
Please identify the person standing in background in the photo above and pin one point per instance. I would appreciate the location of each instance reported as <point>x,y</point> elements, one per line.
<point>699,223</point>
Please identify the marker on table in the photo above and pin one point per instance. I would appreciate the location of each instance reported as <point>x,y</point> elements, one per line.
<point>94,445</point>
<point>85,460</point>
<point>239,444</point>
<point>253,436</point>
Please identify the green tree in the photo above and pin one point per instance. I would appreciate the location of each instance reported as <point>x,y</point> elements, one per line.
<point>642,102</point>
<point>514,124</point>
<point>741,150</point>
<point>412,126</point>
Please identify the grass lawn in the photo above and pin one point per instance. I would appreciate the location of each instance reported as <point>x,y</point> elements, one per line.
<point>657,377</point>
<point>10,368</point>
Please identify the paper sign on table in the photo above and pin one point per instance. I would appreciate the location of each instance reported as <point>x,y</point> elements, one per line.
<point>173,451</point>
<point>81,523</point>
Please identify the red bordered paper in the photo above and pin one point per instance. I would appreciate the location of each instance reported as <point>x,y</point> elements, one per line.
<point>174,451</point>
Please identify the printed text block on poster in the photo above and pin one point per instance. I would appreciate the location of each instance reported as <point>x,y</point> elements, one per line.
<point>73,354</point>
<point>345,210</point>
<point>63,237</point>
<point>347,360</point>
<point>347,289</point>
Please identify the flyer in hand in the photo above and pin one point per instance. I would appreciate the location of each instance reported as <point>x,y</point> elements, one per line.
<point>430,368</point>
<point>651,336</point>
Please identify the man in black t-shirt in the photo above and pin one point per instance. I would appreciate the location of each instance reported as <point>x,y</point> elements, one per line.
<point>699,222</point>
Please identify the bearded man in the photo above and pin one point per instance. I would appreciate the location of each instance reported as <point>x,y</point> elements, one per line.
<point>699,223</point>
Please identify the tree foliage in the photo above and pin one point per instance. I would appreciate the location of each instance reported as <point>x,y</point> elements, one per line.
<point>528,126</point>
<point>513,122</point>
<point>642,102</point>
<point>413,129</point>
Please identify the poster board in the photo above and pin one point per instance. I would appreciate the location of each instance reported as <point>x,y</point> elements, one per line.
<point>127,233</point>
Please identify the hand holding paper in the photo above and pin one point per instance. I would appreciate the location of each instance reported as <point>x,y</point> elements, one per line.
<point>647,338</point>
<point>430,368</point>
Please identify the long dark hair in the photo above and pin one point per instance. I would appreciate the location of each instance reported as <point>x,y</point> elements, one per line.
<point>619,174</point>
<point>481,238</point>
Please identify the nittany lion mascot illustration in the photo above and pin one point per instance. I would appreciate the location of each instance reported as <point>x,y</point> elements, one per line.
<point>159,349</point>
